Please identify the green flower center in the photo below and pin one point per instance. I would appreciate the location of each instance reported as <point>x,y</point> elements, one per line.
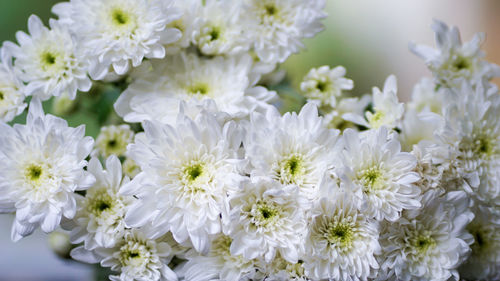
<point>339,234</point>
<point>271,9</point>
<point>291,169</point>
<point>371,179</point>
<point>193,172</point>
<point>100,202</point>
<point>461,63</point>
<point>215,33</point>
<point>1,96</point>
<point>34,172</point>
<point>265,213</point>
<point>424,242</point>
<point>199,89</point>
<point>323,86</point>
<point>120,17</point>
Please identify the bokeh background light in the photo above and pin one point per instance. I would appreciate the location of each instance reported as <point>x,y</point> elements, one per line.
<point>369,37</point>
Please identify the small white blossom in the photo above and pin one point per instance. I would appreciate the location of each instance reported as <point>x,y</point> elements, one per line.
<point>49,61</point>
<point>113,140</point>
<point>135,257</point>
<point>99,221</point>
<point>387,110</point>
<point>11,90</point>
<point>427,97</point>
<point>325,85</point>
<point>454,60</point>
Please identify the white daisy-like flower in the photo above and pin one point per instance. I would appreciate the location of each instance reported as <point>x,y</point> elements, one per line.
<point>41,166</point>
<point>135,257</point>
<point>113,140</point>
<point>187,171</point>
<point>219,264</point>
<point>188,77</point>
<point>427,244</point>
<point>325,85</point>
<point>276,27</point>
<point>99,220</point>
<point>381,174</point>
<point>11,90</point>
<point>341,241</point>
<point>427,97</point>
<point>387,110</point>
<point>218,30</point>
<point>484,261</point>
<point>120,33</point>
<point>454,60</point>
<point>334,117</point>
<point>419,127</point>
<point>292,149</point>
<point>472,138</point>
<point>267,218</point>
<point>49,61</point>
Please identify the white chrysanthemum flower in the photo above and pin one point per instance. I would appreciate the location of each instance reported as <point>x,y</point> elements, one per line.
<point>342,241</point>
<point>430,174</point>
<point>120,33</point>
<point>113,140</point>
<point>381,174</point>
<point>280,270</point>
<point>41,166</point>
<point>293,149</point>
<point>218,29</point>
<point>472,136</point>
<point>484,261</point>
<point>325,85</point>
<point>267,218</point>
<point>334,118</point>
<point>130,168</point>
<point>187,171</point>
<point>99,220</point>
<point>427,97</point>
<point>453,60</point>
<point>187,77</point>
<point>387,110</point>
<point>427,244</point>
<point>419,127</point>
<point>185,24</point>
<point>11,90</point>
<point>135,257</point>
<point>276,27</point>
<point>50,61</point>
<point>219,264</point>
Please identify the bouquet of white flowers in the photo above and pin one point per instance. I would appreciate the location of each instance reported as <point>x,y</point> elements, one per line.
<point>202,178</point>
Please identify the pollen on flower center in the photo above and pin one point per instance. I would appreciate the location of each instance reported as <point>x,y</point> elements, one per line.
<point>134,254</point>
<point>323,86</point>
<point>461,63</point>
<point>339,234</point>
<point>199,89</point>
<point>424,242</point>
<point>371,179</point>
<point>99,202</point>
<point>291,169</point>
<point>120,17</point>
<point>34,172</point>
<point>264,213</point>
<point>193,172</point>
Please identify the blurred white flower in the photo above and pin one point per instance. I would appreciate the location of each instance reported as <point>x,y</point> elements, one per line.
<point>325,85</point>
<point>11,90</point>
<point>454,60</point>
<point>187,77</point>
<point>113,140</point>
<point>135,257</point>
